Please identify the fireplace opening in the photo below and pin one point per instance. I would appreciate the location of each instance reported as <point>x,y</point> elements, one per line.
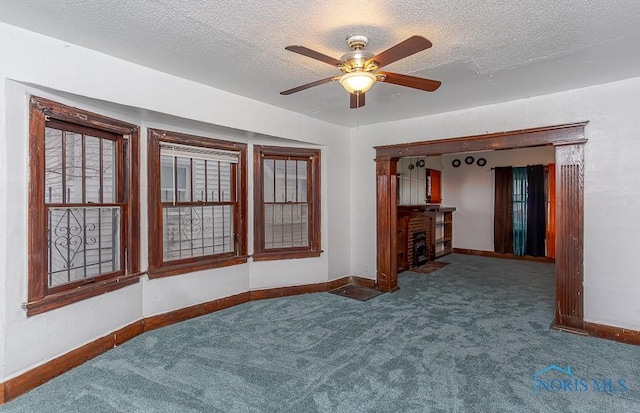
<point>419,248</point>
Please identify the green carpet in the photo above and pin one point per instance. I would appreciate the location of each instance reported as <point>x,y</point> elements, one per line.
<point>466,338</point>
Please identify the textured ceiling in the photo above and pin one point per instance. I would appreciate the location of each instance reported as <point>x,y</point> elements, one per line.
<point>483,51</point>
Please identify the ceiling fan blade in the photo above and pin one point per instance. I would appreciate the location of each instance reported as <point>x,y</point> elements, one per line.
<point>410,81</point>
<point>413,44</point>
<point>314,55</point>
<point>356,100</point>
<point>308,85</point>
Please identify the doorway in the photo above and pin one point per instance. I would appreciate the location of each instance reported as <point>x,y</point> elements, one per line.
<point>568,141</point>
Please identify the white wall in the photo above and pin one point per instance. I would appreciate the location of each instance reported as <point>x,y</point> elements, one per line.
<point>35,64</point>
<point>94,81</point>
<point>470,189</point>
<point>612,182</point>
<point>4,256</point>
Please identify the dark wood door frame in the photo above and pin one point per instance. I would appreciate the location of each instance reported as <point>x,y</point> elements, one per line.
<point>568,141</point>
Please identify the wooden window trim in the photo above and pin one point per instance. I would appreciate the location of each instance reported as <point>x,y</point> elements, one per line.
<point>203,264</point>
<point>157,267</point>
<point>285,255</point>
<point>276,152</point>
<point>40,297</point>
<point>56,300</point>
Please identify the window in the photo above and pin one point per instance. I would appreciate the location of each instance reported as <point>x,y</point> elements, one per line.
<point>287,203</point>
<point>197,203</point>
<point>82,205</point>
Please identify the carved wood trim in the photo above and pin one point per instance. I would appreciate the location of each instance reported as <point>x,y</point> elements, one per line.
<point>551,135</point>
<point>569,143</point>
<point>386,225</point>
<point>569,235</point>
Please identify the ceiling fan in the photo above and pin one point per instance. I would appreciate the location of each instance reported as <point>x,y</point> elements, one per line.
<point>360,69</point>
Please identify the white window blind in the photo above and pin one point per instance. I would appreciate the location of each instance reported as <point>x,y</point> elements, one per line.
<point>196,152</point>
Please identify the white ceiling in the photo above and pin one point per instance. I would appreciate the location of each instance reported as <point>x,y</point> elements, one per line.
<point>483,51</point>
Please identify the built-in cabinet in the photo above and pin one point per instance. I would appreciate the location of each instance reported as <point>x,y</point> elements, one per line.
<point>442,232</point>
<point>421,217</point>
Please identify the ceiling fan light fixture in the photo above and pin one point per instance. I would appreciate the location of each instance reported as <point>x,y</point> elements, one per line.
<point>357,82</point>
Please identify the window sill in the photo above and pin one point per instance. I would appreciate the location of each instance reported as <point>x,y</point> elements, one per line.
<point>285,255</point>
<point>57,300</point>
<point>168,269</point>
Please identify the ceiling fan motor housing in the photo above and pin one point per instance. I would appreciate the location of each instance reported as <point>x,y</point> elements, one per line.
<point>357,42</point>
<point>357,59</point>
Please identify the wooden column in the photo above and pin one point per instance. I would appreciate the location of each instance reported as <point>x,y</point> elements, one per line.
<point>569,143</point>
<point>569,235</point>
<point>386,227</point>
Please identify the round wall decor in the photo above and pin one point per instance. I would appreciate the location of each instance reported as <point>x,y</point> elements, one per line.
<point>482,162</point>
<point>455,163</point>
<point>420,163</point>
<point>411,166</point>
<point>469,160</point>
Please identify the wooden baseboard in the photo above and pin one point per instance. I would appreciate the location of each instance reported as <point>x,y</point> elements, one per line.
<point>340,282</point>
<point>362,282</point>
<point>568,329</point>
<point>622,335</point>
<point>33,378</point>
<point>310,288</point>
<point>182,314</point>
<point>287,291</point>
<point>494,254</point>
<point>37,376</point>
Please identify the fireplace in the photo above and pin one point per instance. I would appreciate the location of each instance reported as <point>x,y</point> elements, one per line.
<point>408,225</point>
<point>420,251</point>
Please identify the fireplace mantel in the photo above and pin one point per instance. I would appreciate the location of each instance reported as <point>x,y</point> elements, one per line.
<point>408,209</point>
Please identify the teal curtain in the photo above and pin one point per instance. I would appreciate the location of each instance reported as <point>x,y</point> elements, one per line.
<point>519,210</point>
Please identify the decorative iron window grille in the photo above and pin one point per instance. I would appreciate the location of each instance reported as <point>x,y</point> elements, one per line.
<point>199,201</point>
<point>84,203</point>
